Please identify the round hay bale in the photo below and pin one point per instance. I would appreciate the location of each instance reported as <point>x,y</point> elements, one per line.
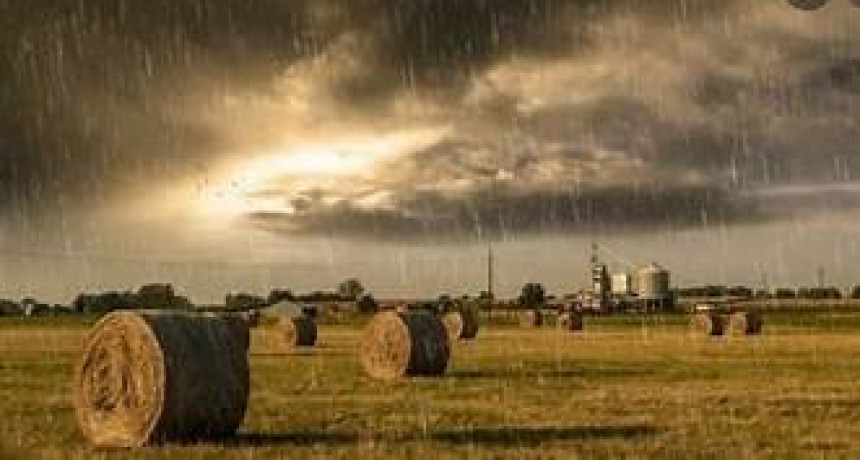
<point>708,323</point>
<point>572,321</point>
<point>153,377</point>
<point>563,320</point>
<point>461,324</point>
<point>532,318</point>
<point>453,321</point>
<point>396,345</point>
<point>471,323</point>
<point>745,323</point>
<point>299,331</point>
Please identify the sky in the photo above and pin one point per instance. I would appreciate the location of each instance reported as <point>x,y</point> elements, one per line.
<point>245,145</point>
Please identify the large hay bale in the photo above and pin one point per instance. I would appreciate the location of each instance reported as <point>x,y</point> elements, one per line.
<point>152,377</point>
<point>461,324</point>
<point>532,318</point>
<point>712,324</point>
<point>299,331</point>
<point>745,323</point>
<point>396,345</point>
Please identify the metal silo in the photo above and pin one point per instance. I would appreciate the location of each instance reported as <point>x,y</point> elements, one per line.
<point>653,284</point>
<point>622,284</point>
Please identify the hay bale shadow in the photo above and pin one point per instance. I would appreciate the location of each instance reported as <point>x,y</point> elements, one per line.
<point>298,438</point>
<point>493,436</point>
<point>543,371</point>
<point>530,436</point>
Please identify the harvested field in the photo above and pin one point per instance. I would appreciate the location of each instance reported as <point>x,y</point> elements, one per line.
<point>625,387</point>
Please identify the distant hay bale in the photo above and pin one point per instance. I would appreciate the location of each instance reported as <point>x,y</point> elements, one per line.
<point>711,324</point>
<point>471,323</point>
<point>572,321</point>
<point>299,331</point>
<point>153,377</point>
<point>453,321</point>
<point>745,323</point>
<point>396,345</point>
<point>532,318</point>
<point>461,324</point>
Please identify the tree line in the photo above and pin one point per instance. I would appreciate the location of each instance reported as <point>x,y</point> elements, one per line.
<point>532,295</point>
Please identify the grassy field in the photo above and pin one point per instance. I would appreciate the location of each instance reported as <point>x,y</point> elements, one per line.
<point>625,388</point>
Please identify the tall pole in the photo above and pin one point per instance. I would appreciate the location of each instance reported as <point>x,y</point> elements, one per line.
<point>490,273</point>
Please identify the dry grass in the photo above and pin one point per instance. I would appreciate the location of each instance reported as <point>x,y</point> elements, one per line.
<point>619,390</point>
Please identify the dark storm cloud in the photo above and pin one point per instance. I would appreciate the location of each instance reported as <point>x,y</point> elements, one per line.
<point>669,125</point>
<point>565,114</point>
<point>504,211</point>
<point>90,88</point>
<point>93,92</point>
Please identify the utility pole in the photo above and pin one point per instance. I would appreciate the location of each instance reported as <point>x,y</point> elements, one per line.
<point>490,280</point>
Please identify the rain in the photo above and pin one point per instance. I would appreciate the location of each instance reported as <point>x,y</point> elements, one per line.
<point>676,126</point>
<point>237,153</point>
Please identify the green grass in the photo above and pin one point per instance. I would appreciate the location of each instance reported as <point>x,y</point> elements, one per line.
<point>622,389</point>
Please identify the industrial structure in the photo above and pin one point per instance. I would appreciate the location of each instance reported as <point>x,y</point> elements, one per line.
<point>653,287</point>
<point>600,283</point>
<point>641,288</point>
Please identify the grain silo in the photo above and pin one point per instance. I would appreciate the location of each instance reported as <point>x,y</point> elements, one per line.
<point>653,288</point>
<point>622,285</point>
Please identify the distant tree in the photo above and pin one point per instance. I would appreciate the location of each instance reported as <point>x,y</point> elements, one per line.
<point>855,292</point>
<point>445,303</point>
<point>280,295</point>
<point>532,295</point>
<point>762,294</point>
<point>155,295</point>
<point>320,296</point>
<point>715,291</point>
<point>10,308</point>
<point>100,304</point>
<point>350,289</point>
<point>432,307</point>
<point>826,293</point>
<point>740,291</point>
<point>367,304</point>
<point>786,293</point>
<point>243,302</point>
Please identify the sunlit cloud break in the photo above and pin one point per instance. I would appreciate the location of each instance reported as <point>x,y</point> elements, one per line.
<point>274,181</point>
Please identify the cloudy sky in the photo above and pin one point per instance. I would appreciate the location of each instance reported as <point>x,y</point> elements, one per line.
<point>241,145</point>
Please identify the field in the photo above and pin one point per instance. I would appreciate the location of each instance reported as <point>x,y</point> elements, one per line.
<point>625,388</point>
